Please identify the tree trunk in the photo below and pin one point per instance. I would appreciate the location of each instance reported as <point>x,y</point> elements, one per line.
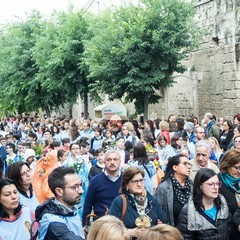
<point>85,97</point>
<point>145,107</point>
<point>85,102</point>
<point>48,113</point>
<point>70,110</point>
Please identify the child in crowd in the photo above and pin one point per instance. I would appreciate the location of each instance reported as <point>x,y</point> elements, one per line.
<point>66,144</point>
<point>86,154</point>
<point>98,164</point>
<point>109,139</point>
<point>97,140</point>
<point>11,156</point>
<point>30,158</point>
<point>20,153</point>
<point>62,156</point>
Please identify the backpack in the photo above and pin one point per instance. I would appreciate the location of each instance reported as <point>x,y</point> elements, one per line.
<point>38,213</point>
<point>34,230</point>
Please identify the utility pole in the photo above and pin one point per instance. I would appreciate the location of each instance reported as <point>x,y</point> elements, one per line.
<point>89,4</point>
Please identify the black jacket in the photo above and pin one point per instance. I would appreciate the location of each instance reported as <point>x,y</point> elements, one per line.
<point>236,217</point>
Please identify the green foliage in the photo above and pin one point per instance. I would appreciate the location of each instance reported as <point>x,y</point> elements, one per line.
<point>135,49</point>
<point>58,55</point>
<point>17,68</point>
<point>128,52</point>
<point>41,62</point>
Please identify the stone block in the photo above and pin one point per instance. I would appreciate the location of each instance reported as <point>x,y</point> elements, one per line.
<point>230,94</point>
<point>228,67</point>
<point>228,85</point>
<point>237,75</point>
<point>228,76</point>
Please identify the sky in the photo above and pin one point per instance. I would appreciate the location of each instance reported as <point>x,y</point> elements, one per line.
<point>11,9</point>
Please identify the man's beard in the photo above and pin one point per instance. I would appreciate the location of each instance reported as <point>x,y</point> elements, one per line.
<point>72,202</point>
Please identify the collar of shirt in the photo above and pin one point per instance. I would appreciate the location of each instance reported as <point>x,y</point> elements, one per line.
<point>25,194</point>
<point>208,166</point>
<point>113,179</point>
<point>65,208</point>
<point>88,132</point>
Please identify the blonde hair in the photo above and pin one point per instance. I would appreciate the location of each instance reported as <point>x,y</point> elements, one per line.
<point>161,232</point>
<point>217,147</point>
<point>129,125</point>
<point>164,125</point>
<point>108,228</point>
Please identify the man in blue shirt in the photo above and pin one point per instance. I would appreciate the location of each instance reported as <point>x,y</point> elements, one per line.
<point>104,187</point>
<point>87,131</point>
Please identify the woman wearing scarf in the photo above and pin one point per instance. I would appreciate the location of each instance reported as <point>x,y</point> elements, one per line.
<point>173,193</point>
<point>141,208</point>
<point>230,177</point>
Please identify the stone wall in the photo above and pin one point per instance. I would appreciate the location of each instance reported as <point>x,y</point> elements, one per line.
<point>212,82</point>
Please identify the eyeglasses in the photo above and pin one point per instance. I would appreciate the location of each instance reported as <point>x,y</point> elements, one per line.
<point>112,159</point>
<point>138,181</point>
<point>29,171</point>
<point>76,187</point>
<point>186,164</point>
<point>201,154</point>
<point>237,167</point>
<point>213,184</point>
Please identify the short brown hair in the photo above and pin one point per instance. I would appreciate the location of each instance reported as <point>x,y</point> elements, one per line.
<point>231,158</point>
<point>128,174</point>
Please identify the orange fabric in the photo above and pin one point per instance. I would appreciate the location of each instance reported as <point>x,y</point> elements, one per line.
<point>159,175</point>
<point>43,168</point>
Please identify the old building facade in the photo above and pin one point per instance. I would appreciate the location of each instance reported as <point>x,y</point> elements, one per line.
<point>212,81</point>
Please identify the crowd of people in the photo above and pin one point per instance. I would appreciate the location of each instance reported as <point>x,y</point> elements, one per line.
<point>176,178</point>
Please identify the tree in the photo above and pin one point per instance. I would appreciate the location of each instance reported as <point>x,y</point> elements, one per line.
<point>41,62</point>
<point>135,49</point>
<point>17,68</point>
<point>58,53</point>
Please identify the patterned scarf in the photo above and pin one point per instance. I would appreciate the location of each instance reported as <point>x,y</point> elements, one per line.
<point>230,181</point>
<point>182,192</point>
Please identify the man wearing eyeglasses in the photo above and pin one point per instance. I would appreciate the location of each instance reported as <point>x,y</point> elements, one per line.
<point>58,217</point>
<point>203,152</point>
<point>104,187</point>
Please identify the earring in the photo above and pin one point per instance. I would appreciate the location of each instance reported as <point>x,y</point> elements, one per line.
<point>127,188</point>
